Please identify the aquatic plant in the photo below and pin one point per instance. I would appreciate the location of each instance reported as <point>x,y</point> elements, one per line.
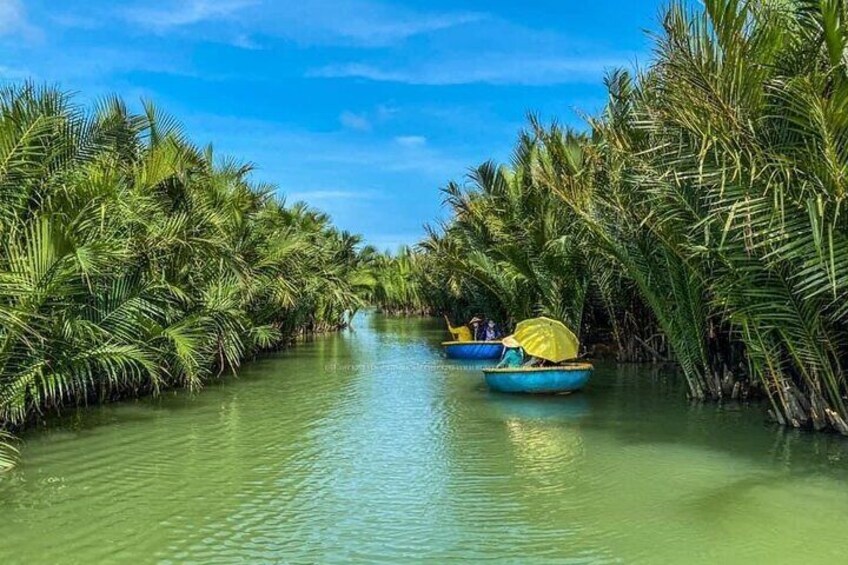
<point>132,260</point>
<point>8,453</point>
<point>736,137</point>
<point>396,287</point>
<point>509,240</point>
<point>712,186</point>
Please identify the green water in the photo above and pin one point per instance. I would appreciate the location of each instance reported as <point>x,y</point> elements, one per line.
<point>366,446</point>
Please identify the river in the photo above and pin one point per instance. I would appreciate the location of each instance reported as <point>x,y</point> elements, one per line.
<point>367,446</point>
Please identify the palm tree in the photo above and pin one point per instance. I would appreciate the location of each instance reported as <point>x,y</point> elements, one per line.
<point>510,239</point>
<point>710,193</point>
<point>133,260</point>
<point>8,453</point>
<point>746,176</point>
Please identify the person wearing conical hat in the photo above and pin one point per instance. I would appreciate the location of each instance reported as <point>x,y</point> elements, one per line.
<point>477,330</point>
<point>513,355</point>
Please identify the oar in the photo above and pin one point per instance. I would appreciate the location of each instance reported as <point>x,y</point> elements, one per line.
<point>447,321</point>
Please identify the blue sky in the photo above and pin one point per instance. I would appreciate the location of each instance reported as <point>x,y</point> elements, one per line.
<point>363,108</point>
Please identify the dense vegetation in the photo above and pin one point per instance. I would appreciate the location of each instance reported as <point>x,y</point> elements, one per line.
<point>700,218</point>
<point>132,260</point>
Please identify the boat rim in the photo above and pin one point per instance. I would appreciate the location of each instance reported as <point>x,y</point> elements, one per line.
<point>472,343</point>
<point>571,367</point>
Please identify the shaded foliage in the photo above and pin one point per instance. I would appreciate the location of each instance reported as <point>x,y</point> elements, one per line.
<point>132,260</point>
<point>706,202</point>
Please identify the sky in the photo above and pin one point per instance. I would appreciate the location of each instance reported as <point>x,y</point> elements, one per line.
<point>362,108</point>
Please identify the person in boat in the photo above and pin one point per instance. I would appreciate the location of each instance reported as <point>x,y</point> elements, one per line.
<point>491,332</point>
<point>461,333</point>
<point>513,355</point>
<point>477,329</point>
<point>536,362</point>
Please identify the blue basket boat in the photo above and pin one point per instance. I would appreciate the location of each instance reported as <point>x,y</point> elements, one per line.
<point>473,350</point>
<point>539,380</point>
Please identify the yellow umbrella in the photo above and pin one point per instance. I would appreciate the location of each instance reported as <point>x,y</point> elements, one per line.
<point>547,339</point>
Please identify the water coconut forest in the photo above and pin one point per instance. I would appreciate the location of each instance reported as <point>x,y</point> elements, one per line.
<point>258,372</point>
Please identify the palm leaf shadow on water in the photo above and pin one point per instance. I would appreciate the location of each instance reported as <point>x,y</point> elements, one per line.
<point>8,451</point>
<point>718,498</point>
<point>83,418</point>
<point>647,406</point>
<point>75,422</point>
<point>397,448</point>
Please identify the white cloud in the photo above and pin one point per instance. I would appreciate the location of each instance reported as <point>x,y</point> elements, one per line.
<point>364,23</point>
<point>14,22</point>
<point>386,112</point>
<point>354,121</point>
<point>11,15</point>
<point>244,41</point>
<point>516,69</point>
<point>277,151</point>
<point>186,13</point>
<point>368,184</point>
<point>411,140</point>
<point>104,64</point>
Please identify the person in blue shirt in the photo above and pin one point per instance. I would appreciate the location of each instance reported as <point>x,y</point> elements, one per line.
<point>491,332</point>
<point>513,355</point>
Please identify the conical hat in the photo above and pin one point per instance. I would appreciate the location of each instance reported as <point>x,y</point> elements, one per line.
<point>510,341</point>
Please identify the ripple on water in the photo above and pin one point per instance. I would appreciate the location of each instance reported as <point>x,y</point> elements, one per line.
<point>368,447</point>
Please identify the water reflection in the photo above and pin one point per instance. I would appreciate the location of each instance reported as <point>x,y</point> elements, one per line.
<point>368,446</point>
<point>556,409</point>
<point>541,449</point>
